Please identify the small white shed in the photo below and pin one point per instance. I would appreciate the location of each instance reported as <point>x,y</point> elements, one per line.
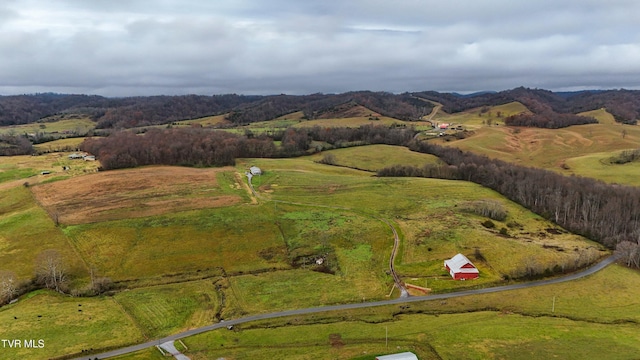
<point>400,356</point>
<point>254,170</point>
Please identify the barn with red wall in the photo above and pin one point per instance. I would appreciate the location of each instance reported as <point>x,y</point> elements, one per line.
<point>461,268</point>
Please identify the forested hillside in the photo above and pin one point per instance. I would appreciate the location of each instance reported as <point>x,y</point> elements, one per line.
<point>548,109</point>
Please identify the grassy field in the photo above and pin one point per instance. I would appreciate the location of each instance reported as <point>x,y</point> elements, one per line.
<point>350,122</point>
<point>574,320</point>
<point>354,250</point>
<point>16,170</point>
<point>195,244</point>
<point>69,144</point>
<point>549,148</point>
<point>204,121</point>
<point>298,115</point>
<point>262,256</point>
<point>149,191</point>
<point>167,309</point>
<point>476,118</point>
<point>66,325</point>
<point>602,115</point>
<point>80,125</point>
<point>434,226</point>
<point>598,166</point>
<point>376,157</point>
<point>480,335</point>
<point>27,230</point>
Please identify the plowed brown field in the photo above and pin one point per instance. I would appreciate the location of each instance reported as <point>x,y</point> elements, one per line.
<point>132,193</point>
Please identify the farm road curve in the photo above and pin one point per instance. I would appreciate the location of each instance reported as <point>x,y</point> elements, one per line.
<point>601,265</point>
<point>396,239</point>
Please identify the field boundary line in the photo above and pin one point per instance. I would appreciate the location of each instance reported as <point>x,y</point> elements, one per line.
<point>133,320</point>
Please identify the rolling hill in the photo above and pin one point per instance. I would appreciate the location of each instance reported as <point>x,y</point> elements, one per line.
<point>174,247</point>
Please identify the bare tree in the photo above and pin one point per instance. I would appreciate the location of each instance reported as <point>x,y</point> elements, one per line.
<point>629,253</point>
<point>8,286</point>
<point>328,159</point>
<point>50,270</point>
<point>99,284</point>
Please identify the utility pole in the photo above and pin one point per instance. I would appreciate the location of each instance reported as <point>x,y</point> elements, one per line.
<point>553,306</point>
<point>386,337</point>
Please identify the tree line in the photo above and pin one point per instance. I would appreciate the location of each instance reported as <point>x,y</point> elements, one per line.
<point>11,145</point>
<point>186,147</point>
<point>548,120</point>
<point>209,147</point>
<point>609,214</point>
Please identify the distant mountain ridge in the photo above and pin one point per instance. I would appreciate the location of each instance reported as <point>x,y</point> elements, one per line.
<point>547,107</point>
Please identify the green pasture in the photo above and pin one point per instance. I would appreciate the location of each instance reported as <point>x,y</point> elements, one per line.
<point>148,354</point>
<point>354,250</point>
<point>433,225</point>
<point>548,148</point>
<point>194,243</point>
<point>351,122</point>
<point>204,121</point>
<point>609,296</point>
<point>376,157</point>
<point>68,144</point>
<point>272,167</point>
<point>478,335</point>
<point>271,125</point>
<point>573,320</point>
<point>12,172</point>
<point>67,325</point>
<point>166,309</point>
<point>475,118</point>
<point>598,166</point>
<point>263,257</point>
<point>602,115</point>
<point>298,115</point>
<point>29,168</point>
<point>80,125</point>
<point>27,230</point>
<point>301,288</point>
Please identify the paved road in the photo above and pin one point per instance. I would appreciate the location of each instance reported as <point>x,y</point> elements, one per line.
<point>307,311</point>
<point>170,347</point>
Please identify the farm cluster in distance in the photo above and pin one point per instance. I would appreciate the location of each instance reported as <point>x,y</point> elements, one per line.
<point>126,224</point>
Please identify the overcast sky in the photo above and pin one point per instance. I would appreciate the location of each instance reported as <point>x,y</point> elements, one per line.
<point>151,47</point>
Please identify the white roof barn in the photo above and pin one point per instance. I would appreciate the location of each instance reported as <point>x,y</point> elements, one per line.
<point>255,170</point>
<point>400,356</point>
<point>461,268</point>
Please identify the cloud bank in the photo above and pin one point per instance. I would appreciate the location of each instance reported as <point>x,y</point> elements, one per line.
<point>141,47</point>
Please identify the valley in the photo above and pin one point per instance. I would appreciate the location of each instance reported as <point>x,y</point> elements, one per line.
<point>155,250</point>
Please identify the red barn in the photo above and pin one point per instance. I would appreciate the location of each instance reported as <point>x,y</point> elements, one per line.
<point>461,268</point>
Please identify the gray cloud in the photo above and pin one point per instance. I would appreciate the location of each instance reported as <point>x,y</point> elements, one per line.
<point>144,47</point>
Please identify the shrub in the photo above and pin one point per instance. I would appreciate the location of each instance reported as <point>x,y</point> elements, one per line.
<point>488,224</point>
<point>328,159</point>
<point>489,208</point>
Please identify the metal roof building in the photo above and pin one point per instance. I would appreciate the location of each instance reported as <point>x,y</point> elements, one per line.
<point>400,356</point>
<point>461,268</point>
